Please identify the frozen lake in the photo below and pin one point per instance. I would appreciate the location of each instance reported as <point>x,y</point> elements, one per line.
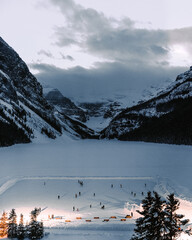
<point>34,175</point>
<point>97,158</point>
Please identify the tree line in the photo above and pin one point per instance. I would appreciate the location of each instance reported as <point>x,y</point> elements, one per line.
<point>159,219</point>
<point>11,229</point>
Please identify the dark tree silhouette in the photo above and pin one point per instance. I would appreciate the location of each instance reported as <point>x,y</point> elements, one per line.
<point>35,229</point>
<point>173,220</point>
<point>159,219</point>
<point>143,228</point>
<point>21,228</point>
<point>12,224</point>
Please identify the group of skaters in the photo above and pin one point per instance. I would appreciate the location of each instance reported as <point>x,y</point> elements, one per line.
<point>101,205</point>
<point>142,193</point>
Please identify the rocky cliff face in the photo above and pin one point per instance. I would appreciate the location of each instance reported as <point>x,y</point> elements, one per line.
<point>24,111</point>
<point>13,128</point>
<point>65,105</point>
<point>13,66</point>
<point>165,118</point>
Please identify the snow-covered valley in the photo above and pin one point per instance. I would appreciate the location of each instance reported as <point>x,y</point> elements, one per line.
<point>34,175</point>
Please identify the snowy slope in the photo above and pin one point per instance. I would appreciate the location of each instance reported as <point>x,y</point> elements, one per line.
<point>164,118</point>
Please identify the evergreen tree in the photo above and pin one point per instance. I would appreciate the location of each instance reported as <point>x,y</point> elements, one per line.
<point>27,230</point>
<point>35,228</point>
<point>158,214</point>
<point>151,225</point>
<point>143,228</point>
<point>172,219</point>
<point>3,225</point>
<point>159,220</point>
<point>21,228</point>
<point>40,231</point>
<point>12,224</point>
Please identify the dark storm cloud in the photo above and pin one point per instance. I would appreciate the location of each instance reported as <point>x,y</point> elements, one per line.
<point>104,80</point>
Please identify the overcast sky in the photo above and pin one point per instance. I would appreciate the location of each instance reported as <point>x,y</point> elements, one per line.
<point>99,47</point>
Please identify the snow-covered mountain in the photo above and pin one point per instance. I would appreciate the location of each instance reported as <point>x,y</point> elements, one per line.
<point>165,118</point>
<point>100,111</point>
<point>24,111</point>
<point>96,113</point>
<point>64,104</point>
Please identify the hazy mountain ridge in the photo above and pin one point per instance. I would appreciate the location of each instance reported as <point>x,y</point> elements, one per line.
<point>165,118</point>
<point>99,112</point>
<point>71,117</point>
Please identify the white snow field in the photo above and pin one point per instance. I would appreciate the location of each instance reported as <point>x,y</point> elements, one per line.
<point>34,175</point>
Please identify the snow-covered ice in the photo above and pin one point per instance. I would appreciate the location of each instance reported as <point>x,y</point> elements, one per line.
<point>97,158</point>
<point>33,175</point>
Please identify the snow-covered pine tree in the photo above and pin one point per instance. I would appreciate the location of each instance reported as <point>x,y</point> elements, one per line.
<point>3,225</point>
<point>173,220</point>
<point>40,232</point>
<point>21,228</point>
<point>34,229</point>
<point>158,215</point>
<point>143,230</point>
<point>12,224</point>
<point>27,233</point>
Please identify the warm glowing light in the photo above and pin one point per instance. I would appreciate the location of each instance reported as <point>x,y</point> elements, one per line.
<point>185,209</point>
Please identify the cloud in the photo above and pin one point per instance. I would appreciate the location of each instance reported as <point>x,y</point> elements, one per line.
<point>130,44</point>
<point>50,55</point>
<point>45,53</point>
<point>66,57</point>
<point>116,39</point>
<point>63,37</point>
<point>181,37</point>
<point>105,80</point>
<point>109,38</point>
<point>130,57</point>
